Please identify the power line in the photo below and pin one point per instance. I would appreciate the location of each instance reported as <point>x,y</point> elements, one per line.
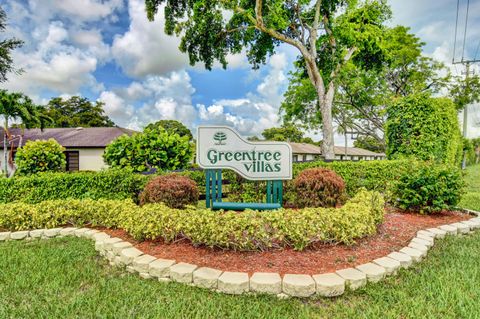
<point>465,32</point>
<point>456,27</point>
<point>476,51</point>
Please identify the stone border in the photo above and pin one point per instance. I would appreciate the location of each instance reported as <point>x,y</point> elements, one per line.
<point>122,254</point>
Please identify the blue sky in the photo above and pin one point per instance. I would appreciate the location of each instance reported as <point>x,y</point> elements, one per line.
<point>108,51</point>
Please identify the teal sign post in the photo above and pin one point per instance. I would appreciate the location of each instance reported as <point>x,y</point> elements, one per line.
<point>220,147</point>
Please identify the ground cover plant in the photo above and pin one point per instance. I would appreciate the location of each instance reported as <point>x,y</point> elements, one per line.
<point>249,230</point>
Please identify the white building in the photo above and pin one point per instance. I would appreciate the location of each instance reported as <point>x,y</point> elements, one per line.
<point>84,146</point>
<point>304,152</point>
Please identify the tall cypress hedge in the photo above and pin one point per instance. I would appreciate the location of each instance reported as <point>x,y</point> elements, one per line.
<point>424,128</point>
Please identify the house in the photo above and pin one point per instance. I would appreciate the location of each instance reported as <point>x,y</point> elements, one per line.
<point>84,146</point>
<point>304,152</point>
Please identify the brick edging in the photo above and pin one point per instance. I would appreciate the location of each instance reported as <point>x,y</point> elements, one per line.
<point>122,253</point>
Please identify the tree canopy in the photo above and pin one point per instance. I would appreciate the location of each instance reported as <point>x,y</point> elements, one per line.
<point>327,34</point>
<point>172,126</point>
<point>18,108</point>
<point>285,133</point>
<point>6,48</point>
<point>364,94</point>
<point>76,111</point>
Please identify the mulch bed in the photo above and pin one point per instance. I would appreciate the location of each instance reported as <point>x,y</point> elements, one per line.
<point>396,232</point>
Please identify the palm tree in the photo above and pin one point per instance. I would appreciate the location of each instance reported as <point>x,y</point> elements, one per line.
<point>17,107</point>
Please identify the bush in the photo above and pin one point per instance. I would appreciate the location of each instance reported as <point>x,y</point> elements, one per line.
<point>318,187</point>
<point>425,128</point>
<point>155,147</point>
<point>55,213</point>
<point>173,190</point>
<point>40,156</point>
<point>249,230</point>
<point>429,188</point>
<point>111,184</point>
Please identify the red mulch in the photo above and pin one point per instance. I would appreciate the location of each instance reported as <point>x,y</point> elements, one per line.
<point>396,232</point>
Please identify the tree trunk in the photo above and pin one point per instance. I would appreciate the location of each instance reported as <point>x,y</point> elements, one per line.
<point>5,148</point>
<point>326,104</point>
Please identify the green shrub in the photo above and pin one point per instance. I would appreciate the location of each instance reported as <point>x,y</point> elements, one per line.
<point>424,128</point>
<point>318,187</point>
<point>111,184</point>
<point>429,188</point>
<point>40,156</point>
<point>173,190</point>
<point>249,230</point>
<point>55,213</point>
<point>155,147</point>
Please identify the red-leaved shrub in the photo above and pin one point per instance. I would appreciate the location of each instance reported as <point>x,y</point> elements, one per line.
<point>173,190</point>
<point>319,187</point>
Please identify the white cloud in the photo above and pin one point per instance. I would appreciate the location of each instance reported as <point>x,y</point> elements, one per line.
<point>62,49</point>
<point>145,49</point>
<point>81,10</point>
<point>161,98</point>
<point>53,65</point>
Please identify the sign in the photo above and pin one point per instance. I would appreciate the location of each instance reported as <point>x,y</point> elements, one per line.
<point>222,147</point>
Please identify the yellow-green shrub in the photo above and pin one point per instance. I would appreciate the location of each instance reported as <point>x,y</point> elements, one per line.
<point>249,230</point>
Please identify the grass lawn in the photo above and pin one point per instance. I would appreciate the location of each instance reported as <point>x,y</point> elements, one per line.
<point>471,199</point>
<point>64,278</point>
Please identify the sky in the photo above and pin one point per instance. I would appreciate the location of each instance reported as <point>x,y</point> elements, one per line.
<point>108,51</point>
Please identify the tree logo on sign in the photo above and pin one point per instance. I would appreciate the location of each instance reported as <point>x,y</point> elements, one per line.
<point>220,137</point>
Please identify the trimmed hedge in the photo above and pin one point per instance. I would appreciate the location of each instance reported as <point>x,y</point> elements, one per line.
<point>372,175</point>
<point>425,128</point>
<point>111,184</point>
<point>249,230</point>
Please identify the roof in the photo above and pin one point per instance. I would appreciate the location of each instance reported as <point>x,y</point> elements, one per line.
<point>355,151</point>
<point>88,137</point>
<point>305,148</point>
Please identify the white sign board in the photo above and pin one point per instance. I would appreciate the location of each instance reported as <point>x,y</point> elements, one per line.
<point>222,147</point>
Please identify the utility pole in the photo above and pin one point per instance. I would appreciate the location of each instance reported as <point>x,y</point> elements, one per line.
<point>465,109</point>
<point>467,73</point>
<point>465,114</point>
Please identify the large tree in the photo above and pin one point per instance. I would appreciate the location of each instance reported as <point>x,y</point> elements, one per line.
<point>6,48</point>
<point>327,35</point>
<point>363,94</point>
<point>76,111</point>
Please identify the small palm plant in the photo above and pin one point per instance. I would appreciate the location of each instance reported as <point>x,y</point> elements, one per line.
<point>17,106</point>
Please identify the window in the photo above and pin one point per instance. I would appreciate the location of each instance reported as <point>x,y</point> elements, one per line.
<point>304,158</point>
<point>73,161</point>
<point>295,158</point>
